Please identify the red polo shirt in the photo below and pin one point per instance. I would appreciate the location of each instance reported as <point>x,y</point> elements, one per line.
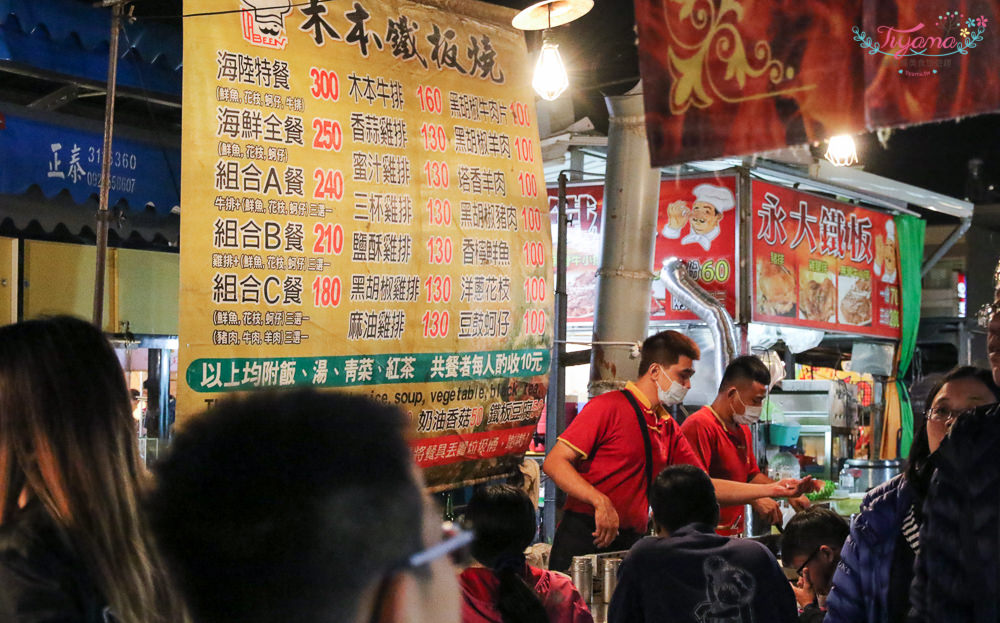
<point>607,435</point>
<point>727,452</point>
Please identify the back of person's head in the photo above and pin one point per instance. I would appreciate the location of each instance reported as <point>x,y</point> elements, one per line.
<point>745,369</point>
<point>665,348</point>
<point>503,520</point>
<point>916,464</point>
<point>68,444</point>
<point>287,506</point>
<point>682,495</point>
<point>811,528</point>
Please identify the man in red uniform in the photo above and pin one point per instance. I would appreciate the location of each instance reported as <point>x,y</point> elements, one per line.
<point>600,460</point>
<point>719,434</point>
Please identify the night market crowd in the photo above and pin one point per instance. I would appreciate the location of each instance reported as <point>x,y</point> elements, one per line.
<point>307,507</point>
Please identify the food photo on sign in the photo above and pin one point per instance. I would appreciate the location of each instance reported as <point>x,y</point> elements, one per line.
<point>823,264</point>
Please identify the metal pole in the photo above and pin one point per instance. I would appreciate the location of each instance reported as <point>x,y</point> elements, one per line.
<point>959,231</point>
<point>555,418</point>
<point>631,205</point>
<point>102,210</point>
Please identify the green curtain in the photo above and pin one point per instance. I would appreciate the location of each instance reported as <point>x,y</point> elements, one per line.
<point>910,233</point>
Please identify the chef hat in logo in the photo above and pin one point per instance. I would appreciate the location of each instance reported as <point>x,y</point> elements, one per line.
<point>890,231</point>
<point>269,12</point>
<point>721,198</point>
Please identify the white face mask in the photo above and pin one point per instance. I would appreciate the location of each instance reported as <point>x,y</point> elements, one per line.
<point>674,395</point>
<point>750,414</point>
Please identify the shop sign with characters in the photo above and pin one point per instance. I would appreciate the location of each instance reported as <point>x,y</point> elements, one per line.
<point>362,212</point>
<point>823,264</point>
<point>698,222</point>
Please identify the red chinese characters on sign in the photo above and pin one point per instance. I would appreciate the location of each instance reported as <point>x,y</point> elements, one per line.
<point>823,264</point>
<point>433,451</point>
<point>698,221</point>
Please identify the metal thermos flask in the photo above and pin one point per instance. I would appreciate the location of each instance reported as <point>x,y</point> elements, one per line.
<point>610,577</point>
<point>583,576</point>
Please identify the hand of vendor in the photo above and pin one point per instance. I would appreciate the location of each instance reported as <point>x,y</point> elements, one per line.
<point>789,487</point>
<point>800,503</point>
<point>606,519</point>
<point>806,485</point>
<point>768,509</point>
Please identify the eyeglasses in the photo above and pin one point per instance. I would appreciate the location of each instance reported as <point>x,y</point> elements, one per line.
<point>807,561</point>
<point>944,414</point>
<point>454,541</point>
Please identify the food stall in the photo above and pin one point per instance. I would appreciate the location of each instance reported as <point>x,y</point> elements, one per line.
<point>805,267</point>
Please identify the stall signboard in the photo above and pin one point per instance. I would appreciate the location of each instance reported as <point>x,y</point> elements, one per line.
<point>56,154</point>
<point>363,210</point>
<point>698,221</point>
<point>823,264</point>
<point>584,208</point>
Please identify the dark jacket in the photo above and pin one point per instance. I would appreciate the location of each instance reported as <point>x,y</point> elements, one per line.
<point>860,592</point>
<point>41,580</point>
<point>812,614</point>
<point>957,576</point>
<point>697,575</point>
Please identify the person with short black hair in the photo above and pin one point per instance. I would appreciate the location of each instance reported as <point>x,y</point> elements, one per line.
<point>720,435</point>
<point>601,460</point>
<point>506,589</point>
<point>302,506</point>
<point>811,544</point>
<point>687,572</point>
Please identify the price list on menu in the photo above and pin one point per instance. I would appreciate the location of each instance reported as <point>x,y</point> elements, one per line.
<point>363,209</point>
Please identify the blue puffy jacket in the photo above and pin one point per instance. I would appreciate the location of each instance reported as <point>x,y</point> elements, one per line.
<point>860,592</point>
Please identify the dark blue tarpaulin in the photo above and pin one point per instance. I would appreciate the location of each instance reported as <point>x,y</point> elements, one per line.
<point>71,38</point>
<point>57,153</point>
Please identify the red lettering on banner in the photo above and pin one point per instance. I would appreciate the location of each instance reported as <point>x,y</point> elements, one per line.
<point>434,451</point>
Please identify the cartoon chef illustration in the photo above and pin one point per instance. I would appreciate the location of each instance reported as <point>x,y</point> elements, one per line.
<point>704,215</point>
<point>886,262</point>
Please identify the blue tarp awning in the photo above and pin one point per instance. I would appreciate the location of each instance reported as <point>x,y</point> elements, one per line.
<point>59,153</point>
<point>71,38</point>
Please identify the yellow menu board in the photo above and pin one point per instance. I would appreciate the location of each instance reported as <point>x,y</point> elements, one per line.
<point>363,208</point>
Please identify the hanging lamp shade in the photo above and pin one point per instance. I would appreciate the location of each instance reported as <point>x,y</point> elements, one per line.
<point>551,13</point>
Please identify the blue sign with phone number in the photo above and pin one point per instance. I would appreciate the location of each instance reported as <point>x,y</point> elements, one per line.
<point>58,157</point>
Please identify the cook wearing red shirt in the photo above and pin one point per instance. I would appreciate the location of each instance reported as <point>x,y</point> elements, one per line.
<point>720,436</point>
<point>600,460</point>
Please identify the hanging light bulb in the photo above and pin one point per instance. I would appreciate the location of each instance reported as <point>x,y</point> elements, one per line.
<point>550,79</point>
<point>841,150</point>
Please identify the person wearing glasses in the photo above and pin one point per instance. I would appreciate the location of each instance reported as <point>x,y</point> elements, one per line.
<point>811,545</point>
<point>872,582</point>
<point>689,574</point>
<point>504,588</point>
<point>302,506</point>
